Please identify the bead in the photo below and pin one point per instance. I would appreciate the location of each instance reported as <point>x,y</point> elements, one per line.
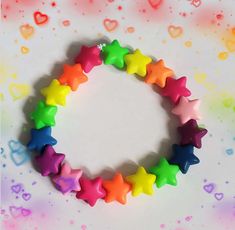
<point>89,57</point>
<point>91,190</point>
<point>183,157</point>
<point>175,88</point>
<point>157,73</point>
<point>55,93</point>
<point>116,189</point>
<point>73,76</point>
<point>114,54</point>
<point>165,173</point>
<point>142,182</point>
<point>187,109</point>
<point>191,133</point>
<point>50,161</point>
<point>136,63</point>
<point>40,138</point>
<point>44,115</point>
<point>68,179</point>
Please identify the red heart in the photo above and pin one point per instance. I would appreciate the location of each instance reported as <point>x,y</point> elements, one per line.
<point>155,3</point>
<point>196,3</point>
<point>40,18</point>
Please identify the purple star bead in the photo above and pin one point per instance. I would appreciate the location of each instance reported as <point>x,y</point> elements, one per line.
<point>49,162</point>
<point>91,190</point>
<point>191,134</point>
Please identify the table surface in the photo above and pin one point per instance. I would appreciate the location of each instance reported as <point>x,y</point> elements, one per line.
<point>114,122</point>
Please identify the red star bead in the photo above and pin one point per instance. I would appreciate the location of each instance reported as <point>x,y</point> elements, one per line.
<point>175,88</point>
<point>88,58</point>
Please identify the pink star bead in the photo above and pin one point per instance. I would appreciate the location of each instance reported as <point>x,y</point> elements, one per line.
<point>49,162</point>
<point>68,179</point>
<point>88,58</point>
<point>187,109</point>
<point>175,88</point>
<point>91,191</point>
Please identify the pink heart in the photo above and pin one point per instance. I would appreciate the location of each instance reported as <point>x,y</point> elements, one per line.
<point>196,3</point>
<point>25,212</point>
<point>155,3</point>
<point>15,211</point>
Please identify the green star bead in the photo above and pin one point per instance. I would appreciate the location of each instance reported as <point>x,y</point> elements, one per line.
<point>165,173</point>
<point>44,115</point>
<point>114,54</point>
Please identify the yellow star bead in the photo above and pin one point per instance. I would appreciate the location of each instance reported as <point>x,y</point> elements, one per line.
<point>55,93</point>
<point>136,63</point>
<point>142,182</point>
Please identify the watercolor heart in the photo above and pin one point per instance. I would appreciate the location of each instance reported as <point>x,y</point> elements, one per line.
<point>25,212</point>
<point>110,25</point>
<point>15,211</point>
<point>155,3</point>
<point>18,91</point>
<point>26,31</point>
<point>14,145</point>
<point>230,45</point>
<point>26,196</point>
<point>1,151</point>
<point>209,188</point>
<point>219,196</point>
<point>64,184</point>
<point>175,31</point>
<point>40,18</point>
<point>16,188</point>
<point>19,157</point>
<point>196,3</point>
<point>24,49</point>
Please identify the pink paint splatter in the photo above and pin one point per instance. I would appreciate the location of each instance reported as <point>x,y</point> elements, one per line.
<point>83,227</point>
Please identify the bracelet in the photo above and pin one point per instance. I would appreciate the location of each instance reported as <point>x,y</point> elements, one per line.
<point>50,163</point>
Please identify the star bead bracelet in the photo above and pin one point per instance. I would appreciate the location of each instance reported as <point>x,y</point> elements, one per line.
<point>50,163</point>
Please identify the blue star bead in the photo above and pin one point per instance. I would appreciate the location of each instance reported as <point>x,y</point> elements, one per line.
<point>183,157</point>
<point>41,138</point>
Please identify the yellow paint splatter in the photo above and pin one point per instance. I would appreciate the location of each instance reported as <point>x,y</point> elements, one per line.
<point>6,72</point>
<point>200,77</point>
<point>230,45</point>
<point>223,56</point>
<point>24,49</point>
<point>1,97</point>
<point>188,44</point>
<point>18,91</point>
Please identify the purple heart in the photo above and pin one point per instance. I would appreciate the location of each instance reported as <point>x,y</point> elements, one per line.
<point>209,188</point>
<point>16,188</point>
<point>219,196</point>
<point>64,184</point>
<point>26,196</point>
<point>25,212</point>
<point>15,211</point>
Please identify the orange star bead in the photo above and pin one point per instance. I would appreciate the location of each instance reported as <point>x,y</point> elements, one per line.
<point>73,76</point>
<point>116,189</point>
<point>157,73</point>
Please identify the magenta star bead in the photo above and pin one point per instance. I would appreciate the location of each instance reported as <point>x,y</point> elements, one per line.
<point>91,191</point>
<point>68,179</point>
<point>50,161</point>
<point>89,57</point>
<point>175,88</point>
<point>191,134</point>
<point>187,109</point>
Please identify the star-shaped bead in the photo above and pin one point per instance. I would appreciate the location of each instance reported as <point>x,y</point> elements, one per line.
<point>157,73</point>
<point>114,54</point>
<point>49,161</point>
<point>142,182</point>
<point>91,190</point>
<point>175,88</point>
<point>116,189</point>
<point>187,109</point>
<point>40,138</point>
<point>44,115</point>
<point>73,76</point>
<point>183,157</point>
<point>165,173</point>
<point>191,133</point>
<point>89,57</point>
<point>68,179</point>
<point>55,93</point>
<point>136,63</point>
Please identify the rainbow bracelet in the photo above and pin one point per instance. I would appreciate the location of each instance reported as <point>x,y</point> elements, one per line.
<point>66,179</point>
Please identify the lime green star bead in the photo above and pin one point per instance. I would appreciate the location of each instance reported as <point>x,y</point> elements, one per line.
<point>44,115</point>
<point>114,54</point>
<point>165,173</point>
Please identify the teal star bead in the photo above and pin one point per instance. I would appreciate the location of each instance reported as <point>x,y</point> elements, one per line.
<point>44,115</point>
<point>165,173</point>
<point>114,54</point>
